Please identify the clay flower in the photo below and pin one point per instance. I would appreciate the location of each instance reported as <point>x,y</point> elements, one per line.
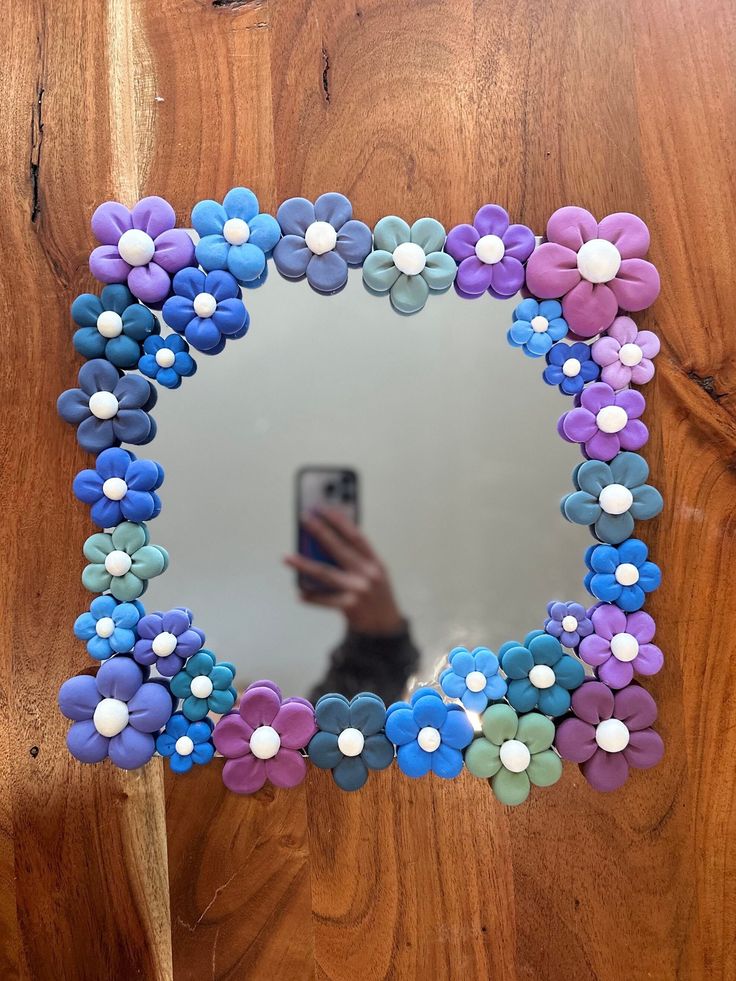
<point>536,326</point>
<point>568,622</point>
<point>207,309</point>
<point>408,262</point>
<point>108,627</point>
<point>140,247</point>
<point>320,241</point>
<point>620,645</point>
<point>120,488</point>
<point>122,561</point>
<point>429,734</point>
<point>625,354</point>
<point>473,678</point>
<point>491,253</point>
<point>234,235</point>
<point>186,743</point>
<point>605,422</point>
<point>167,360</point>
<point>514,753</point>
<point>621,575</point>
<point>112,326</point>
<point>115,713</point>
<point>167,640</point>
<point>205,686</point>
<point>610,733</point>
<point>350,740</point>
<point>610,497</point>
<point>595,267</point>
<point>107,409</point>
<point>262,740</point>
<point>540,674</point>
<point>570,367</point>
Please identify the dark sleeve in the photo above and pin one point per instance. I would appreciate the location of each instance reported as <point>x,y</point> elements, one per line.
<point>367,662</point>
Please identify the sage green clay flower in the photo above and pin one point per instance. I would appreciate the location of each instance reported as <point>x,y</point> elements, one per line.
<point>122,561</point>
<point>408,262</point>
<point>514,753</point>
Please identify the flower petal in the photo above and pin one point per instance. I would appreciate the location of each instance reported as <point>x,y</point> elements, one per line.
<point>354,242</point>
<point>483,758</point>
<point>390,232</point>
<point>413,760</point>
<point>259,705</point>
<point>499,723</point>
<point>295,216</point>
<point>85,743</point>
<point>327,273</point>
<point>589,307</point>
<point>491,219</point>
<point>439,271</point>
<point>120,677</point>
<point>428,234</point>
<point>295,723</point>
<point>645,749</point>
<point>544,768</point>
<point>333,208</point>
<point>552,271</point>
<point>510,788</point>
<point>324,751</point>
<point>245,775</point>
<point>292,256</point>
<point>636,285</point>
<point>231,736</point>
<point>536,732</point>
<point>379,271</point>
<point>240,202</point>
<point>409,293</point>
<point>287,768</point>
<point>605,771</point>
<point>627,232</point>
<point>572,227</point>
<point>350,773</point>
<point>78,697</point>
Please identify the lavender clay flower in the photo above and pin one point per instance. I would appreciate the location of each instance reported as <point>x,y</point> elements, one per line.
<point>605,422</point>
<point>625,354</point>
<point>490,253</point>
<point>568,622</point>
<point>167,640</point>
<point>621,645</point>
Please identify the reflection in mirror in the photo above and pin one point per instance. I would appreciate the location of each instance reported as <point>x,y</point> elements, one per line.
<point>351,493</point>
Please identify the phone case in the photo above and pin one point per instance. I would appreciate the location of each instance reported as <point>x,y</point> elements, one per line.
<point>322,487</point>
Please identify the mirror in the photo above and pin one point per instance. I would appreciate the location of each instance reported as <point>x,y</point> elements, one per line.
<point>444,432</point>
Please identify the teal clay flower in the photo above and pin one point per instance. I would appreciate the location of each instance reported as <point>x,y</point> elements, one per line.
<point>205,686</point>
<point>408,262</point>
<point>122,561</point>
<point>540,675</point>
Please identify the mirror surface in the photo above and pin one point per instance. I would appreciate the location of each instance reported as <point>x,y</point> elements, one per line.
<point>451,436</point>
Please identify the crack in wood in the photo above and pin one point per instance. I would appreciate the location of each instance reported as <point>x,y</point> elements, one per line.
<point>238,4</point>
<point>36,144</point>
<point>326,74</point>
<point>708,384</point>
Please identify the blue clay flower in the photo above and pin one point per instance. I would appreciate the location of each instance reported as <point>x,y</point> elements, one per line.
<point>622,575</point>
<point>207,309</point>
<point>186,743</point>
<point>568,622</point>
<point>570,367</point>
<point>611,496</point>
<point>473,678</point>
<point>429,734</point>
<point>120,488</point>
<point>112,326</point>
<point>109,627</point>
<point>234,235</point>
<point>537,324</point>
<point>540,674</point>
<point>167,360</point>
<point>205,686</point>
<point>351,739</point>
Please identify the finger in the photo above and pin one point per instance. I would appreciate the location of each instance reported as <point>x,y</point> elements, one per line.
<point>333,542</point>
<point>349,530</point>
<point>326,574</point>
<point>335,601</point>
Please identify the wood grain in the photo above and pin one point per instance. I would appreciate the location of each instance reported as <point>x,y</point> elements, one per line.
<point>414,108</point>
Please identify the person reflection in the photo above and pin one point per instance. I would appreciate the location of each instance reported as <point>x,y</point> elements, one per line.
<point>377,653</point>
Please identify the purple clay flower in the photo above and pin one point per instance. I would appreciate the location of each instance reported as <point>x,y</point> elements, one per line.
<point>107,409</point>
<point>568,622</point>
<point>262,739</point>
<point>115,713</point>
<point>605,422</point>
<point>320,241</point>
<point>167,640</point>
<point>621,645</point>
<point>207,308</point>
<point>625,354</point>
<point>120,488</point>
<point>140,247</point>
<point>491,253</point>
<point>609,733</point>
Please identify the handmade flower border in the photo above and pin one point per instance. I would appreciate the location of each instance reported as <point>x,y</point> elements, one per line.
<point>566,692</point>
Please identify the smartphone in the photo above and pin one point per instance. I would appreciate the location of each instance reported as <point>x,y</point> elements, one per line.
<point>323,487</point>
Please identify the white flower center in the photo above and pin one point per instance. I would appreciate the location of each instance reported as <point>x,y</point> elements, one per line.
<point>429,739</point>
<point>612,735</point>
<point>204,304</point>
<point>490,249</point>
<point>165,357</point>
<point>103,405</point>
<point>598,260</point>
<point>184,746</point>
<point>201,686</point>
<point>265,743</point>
<point>569,624</point>
<point>571,368</point>
<point>164,644</point>
<point>236,231</point>
<point>136,247</point>
<point>615,499</point>
<point>630,355</point>
<point>110,324</point>
<point>320,237</point>
<point>117,562</point>
<point>104,627</point>
<point>350,742</point>
<point>611,419</point>
<point>409,258</point>
<point>115,488</point>
<point>539,324</point>
<point>475,681</point>
<point>627,574</point>
<point>515,755</point>
<point>542,676</point>
<point>111,717</point>
<point>624,647</point>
